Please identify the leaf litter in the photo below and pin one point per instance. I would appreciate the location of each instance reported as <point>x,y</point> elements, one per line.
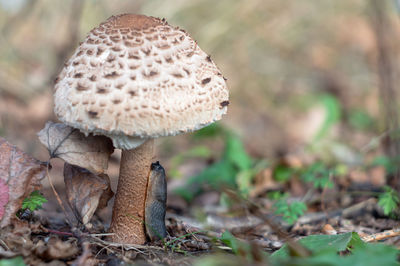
<point>86,191</point>
<point>20,175</point>
<point>67,143</point>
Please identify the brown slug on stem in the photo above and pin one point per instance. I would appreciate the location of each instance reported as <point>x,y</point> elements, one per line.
<point>156,203</point>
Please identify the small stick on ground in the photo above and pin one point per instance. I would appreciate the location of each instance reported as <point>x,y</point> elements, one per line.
<point>347,212</point>
<point>56,194</point>
<point>382,235</point>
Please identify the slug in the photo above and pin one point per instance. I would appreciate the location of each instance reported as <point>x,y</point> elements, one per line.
<point>156,203</point>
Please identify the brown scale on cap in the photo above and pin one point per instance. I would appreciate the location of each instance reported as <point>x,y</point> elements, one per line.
<point>141,52</point>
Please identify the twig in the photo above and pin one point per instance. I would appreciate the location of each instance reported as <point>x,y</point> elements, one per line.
<point>374,142</point>
<point>382,235</point>
<point>137,248</point>
<point>4,245</point>
<point>104,234</point>
<point>103,248</point>
<point>316,217</point>
<point>59,232</point>
<point>56,194</point>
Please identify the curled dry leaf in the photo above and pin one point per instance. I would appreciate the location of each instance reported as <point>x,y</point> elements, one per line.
<point>86,191</point>
<point>69,144</point>
<point>20,175</point>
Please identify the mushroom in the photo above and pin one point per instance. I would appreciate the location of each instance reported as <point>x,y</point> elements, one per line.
<point>133,79</point>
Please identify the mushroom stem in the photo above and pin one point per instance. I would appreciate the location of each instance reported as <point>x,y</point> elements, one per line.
<point>128,214</point>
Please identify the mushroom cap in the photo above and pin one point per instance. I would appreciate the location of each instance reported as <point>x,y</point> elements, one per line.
<point>136,77</point>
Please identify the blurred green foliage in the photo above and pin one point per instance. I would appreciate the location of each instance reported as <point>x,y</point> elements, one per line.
<point>335,250</point>
<point>389,201</point>
<point>235,169</point>
<point>290,212</point>
<point>17,261</point>
<point>318,243</point>
<point>228,239</point>
<point>318,174</point>
<point>391,164</point>
<point>325,250</point>
<point>361,120</point>
<point>243,249</point>
<point>332,115</point>
<point>283,173</point>
<point>177,160</point>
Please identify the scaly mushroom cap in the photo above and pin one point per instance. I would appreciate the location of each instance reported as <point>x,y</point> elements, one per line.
<point>136,77</point>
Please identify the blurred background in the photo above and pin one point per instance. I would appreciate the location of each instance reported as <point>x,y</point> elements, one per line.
<point>312,80</point>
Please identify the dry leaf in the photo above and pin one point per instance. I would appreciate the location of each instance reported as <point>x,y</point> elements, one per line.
<point>20,175</point>
<point>3,197</point>
<point>86,191</point>
<point>327,229</point>
<point>56,249</point>
<point>69,144</point>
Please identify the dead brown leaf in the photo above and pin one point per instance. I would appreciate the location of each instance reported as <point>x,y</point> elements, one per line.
<point>86,191</point>
<point>3,196</point>
<point>17,237</point>
<point>20,175</point>
<point>69,144</point>
<point>56,249</point>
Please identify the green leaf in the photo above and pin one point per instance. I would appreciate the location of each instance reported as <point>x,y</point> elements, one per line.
<point>220,260</point>
<point>225,200</point>
<point>283,173</point>
<point>228,239</point>
<point>199,152</point>
<point>355,242</point>
<point>17,261</point>
<point>218,174</point>
<point>235,169</point>
<point>341,170</point>
<point>360,119</point>
<point>317,174</point>
<point>212,130</point>
<point>244,180</point>
<point>371,255</point>
<point>276,195</point>
<point>236,154</point>
<point>34,201</point>
<point>195,152</point>
<point>362,255</point>
<point>289,212</point>
<point>318,243</point>
<point>388,200</point>
<point>333,110</point>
